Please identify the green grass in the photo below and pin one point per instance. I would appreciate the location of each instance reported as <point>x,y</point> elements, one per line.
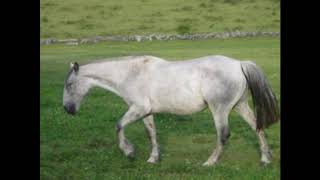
<point>81,18</point>
<point>85,146</point>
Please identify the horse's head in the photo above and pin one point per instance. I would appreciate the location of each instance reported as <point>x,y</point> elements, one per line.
<point>75,88</point>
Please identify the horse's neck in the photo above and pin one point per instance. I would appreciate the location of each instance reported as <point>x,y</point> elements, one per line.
<point>107,75</point>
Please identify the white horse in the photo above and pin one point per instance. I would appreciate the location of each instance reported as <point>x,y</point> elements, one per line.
<point>152,85</point>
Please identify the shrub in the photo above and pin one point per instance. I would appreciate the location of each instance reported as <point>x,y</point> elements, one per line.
<point>231,1</point>
<point>187,8</point>
<point>239,20</point>
<point>203,5</point>
<point>214,18</point>
<point>237,28</point>
<point>183,29</point>
<point>115,7</point>
<point>45,19</point>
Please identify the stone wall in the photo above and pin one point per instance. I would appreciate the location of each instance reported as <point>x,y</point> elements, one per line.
<point>159,37</point>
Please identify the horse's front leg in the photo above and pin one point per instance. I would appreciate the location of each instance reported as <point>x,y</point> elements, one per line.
<point>151,131</point>
<point>133,114</point>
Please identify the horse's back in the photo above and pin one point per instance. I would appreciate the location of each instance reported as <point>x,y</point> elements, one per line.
<point>187,70</point>
<point>183,87</point>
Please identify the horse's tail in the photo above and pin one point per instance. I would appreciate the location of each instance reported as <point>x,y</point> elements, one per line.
<point>264,100</point>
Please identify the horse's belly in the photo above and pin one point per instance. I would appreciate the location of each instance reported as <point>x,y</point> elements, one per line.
<point>180,102</point>
<point>176,89</point>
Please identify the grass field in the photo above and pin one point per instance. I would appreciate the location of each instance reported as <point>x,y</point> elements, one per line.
<point>81,18</point>
<point>85,147</point>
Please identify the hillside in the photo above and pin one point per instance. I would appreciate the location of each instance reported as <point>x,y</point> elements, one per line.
<point>83,18</point>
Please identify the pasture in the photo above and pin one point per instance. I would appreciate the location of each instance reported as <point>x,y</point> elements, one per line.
<point>85,146</point>
<point>81,18</point>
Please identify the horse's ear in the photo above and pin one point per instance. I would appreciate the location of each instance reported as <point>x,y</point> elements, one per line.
<point>74,66</point>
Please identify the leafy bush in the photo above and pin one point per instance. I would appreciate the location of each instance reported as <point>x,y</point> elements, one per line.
<point>45,19</point>
<point>183,29</point>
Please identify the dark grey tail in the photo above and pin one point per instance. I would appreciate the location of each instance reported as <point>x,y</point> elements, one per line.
<point>264,101</point>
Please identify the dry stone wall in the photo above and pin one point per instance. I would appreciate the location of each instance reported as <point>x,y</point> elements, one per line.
<point>159,37</point>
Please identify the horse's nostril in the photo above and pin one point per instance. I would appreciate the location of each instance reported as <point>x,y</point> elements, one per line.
<point>65,108</point>
<point>70,108</point>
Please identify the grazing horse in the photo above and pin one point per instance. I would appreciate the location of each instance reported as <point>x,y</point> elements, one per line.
<point>152,85</point>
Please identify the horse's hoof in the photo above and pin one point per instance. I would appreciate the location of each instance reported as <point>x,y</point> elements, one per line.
<point>127,149</point>
<point>208,164</point>
<point>267,154</point>
<point>131,156</point>
<point>264,163</point>
<point>266,159</point>
<point>153,160</point>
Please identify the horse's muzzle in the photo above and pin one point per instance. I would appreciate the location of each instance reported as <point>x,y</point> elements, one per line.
<point>70,108</point>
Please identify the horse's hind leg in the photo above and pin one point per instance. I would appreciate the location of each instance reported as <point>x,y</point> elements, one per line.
<point>247,114</point>
<point>220,116</point>
<point>134,113</point>
<point>151,130</point>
